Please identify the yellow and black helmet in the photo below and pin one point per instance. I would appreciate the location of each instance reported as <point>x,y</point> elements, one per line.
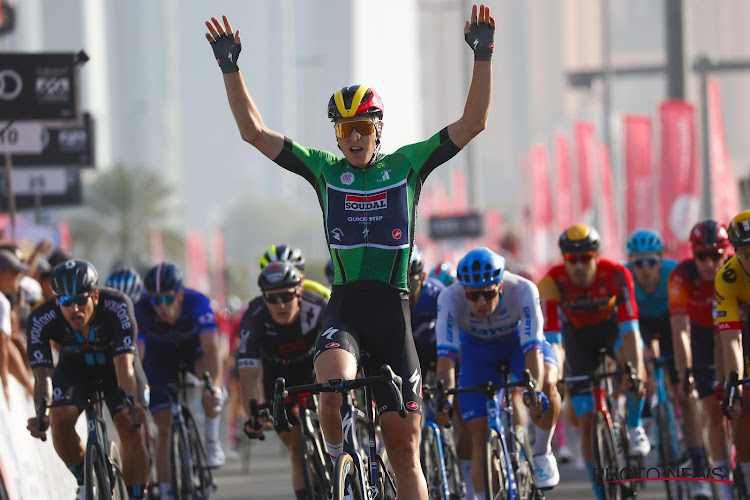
<point>579,238</point>
<point>739,230</point>
<point>354,100</point>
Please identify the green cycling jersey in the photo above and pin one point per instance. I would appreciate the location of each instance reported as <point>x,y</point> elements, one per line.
<point>369,213</point>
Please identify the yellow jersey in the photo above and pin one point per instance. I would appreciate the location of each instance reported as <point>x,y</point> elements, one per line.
<point>732,284</point>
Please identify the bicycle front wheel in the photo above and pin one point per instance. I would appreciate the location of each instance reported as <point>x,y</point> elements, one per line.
<point>314,471</point>
<point>119,490</point>
<point>346,478</point>
<point>386,478</point>
<point>496,478</point>
<point>605,457</point>
<point>96,476</point>
<point>180,465</point>
<point>668,453</point>
<point>431,467</point>
<point>523,465</point>
<point>202,477</point>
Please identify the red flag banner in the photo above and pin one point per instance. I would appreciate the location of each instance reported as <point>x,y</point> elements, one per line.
<point>679,193</point>
<point>541,207</point>
<point>609,227</point>
<point>564,214</point>
<point>66,242</point>
<point>524,206</point>
<point>459,198</point>
<point>725,196</point>
<point>197,267</point>
<point>640,202</point>
<point>441,201</point>
<point>586,154</point>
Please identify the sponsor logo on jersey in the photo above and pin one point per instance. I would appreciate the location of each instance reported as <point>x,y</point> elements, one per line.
<point>730,276</point>
<point>396,233</point>
<point>374,202</point>
<point>331,345</point>
<point>347,178</point>
<point>412,405</point>
<point>121,310</point>
<point>337,234</point>
<point>38,323</point>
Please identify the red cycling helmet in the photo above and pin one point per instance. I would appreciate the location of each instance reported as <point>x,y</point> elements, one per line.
<point>709,234</point>
<point>354,100</point>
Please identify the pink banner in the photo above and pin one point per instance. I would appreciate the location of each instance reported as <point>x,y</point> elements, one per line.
<point>459,197</point>
<point>157,247</point>
<point>725,195</point>
<point>493,229</point>
<point>524,206</point>
<point>586,155</point>
<point>679,192</point>
<point>541,207</point>
<point>197,267</point>
<point>609,227</point>
<point>66,242</point>
<point>564,208</point>
<point>441,201</point>
<point>425,203</point>
<point>640,196</point>
<point>218,257</point>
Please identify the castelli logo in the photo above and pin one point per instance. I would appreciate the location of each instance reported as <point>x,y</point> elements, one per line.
<point>396,233</point>
<point>492,45</point>
<point>412,405</point>
<point>331,345</point>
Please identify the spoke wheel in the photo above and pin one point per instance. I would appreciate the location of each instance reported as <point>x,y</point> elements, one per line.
<point>96,475</point>
<point>313,469</point>
<point>386,478</point>
<point>346,478</point>
<point>605,457</point>
<point>496,479</point>
<point>202,477</point>
<point>523,462</point>
<point>430,460</point>
<point>119,490</point>
<point>668,453</point>
<point>456,483</point>
<point>180,465</point>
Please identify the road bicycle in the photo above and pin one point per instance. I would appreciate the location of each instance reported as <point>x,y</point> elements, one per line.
<point>740,482</point>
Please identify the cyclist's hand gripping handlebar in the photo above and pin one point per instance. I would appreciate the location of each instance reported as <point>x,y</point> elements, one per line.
<point>531,387</point>
<point>127,400</point>
<point>393,382</point>
<point>280,418</point>
<point>41,425</point>
<point>734,394</point>
<point>254,422</point>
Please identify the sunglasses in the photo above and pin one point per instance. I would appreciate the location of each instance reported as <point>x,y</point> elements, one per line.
<point>69,300</point>
<point>363,127</point>
<point>579,258</point>
<point>743,253</point>
<point>163,299</point>
<point>279,298</point>
<point>704,255</point>
<point>488,295</point>
<point>646,262</point>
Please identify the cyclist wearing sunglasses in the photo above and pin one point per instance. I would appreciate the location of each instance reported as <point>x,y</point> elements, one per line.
<point>650,275</point>
<point>368,201</point>
<point>691,307</point>
<point>732,300</point>
<point>589,304</point>
<point>294,255</point>
<point>492,316</point>
<point>82,316</point>
<point>177,325</point>
<point>278,333</point>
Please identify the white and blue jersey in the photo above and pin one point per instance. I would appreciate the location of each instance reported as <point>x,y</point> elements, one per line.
<point>423,322</point>
<point>168,346</point>
<point>512,330</point>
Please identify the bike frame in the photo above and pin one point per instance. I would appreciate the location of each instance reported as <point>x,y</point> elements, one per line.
<point>661,397</point>
<point>349,414</point>
<point>495,411</point>
<point>430,422</point>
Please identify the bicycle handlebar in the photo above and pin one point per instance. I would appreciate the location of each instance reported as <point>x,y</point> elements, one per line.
<point>127,399</point>
<point>489,389</point>
<point>256,411</point>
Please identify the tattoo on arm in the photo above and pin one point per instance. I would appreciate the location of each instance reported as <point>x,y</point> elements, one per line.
<point>42,386</point>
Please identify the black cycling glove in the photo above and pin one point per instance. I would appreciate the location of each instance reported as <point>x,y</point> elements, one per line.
<point>481,38</point>
<point>227,52</point>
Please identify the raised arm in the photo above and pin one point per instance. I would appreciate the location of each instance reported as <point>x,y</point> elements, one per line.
<point>227,45</point>
<point>479,34</point>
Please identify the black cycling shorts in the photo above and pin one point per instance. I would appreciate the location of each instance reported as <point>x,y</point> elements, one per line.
<point>297,374</point>
<point>702,347</point>
<point>374,318</point>
<point>661,329</point>
<point>582,348</point>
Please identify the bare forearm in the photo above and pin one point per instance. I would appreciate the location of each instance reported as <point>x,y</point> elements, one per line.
<point>731,345</point>
<point>681,344</point>
<point>250,386</point>
<point>245,113</point>
<point>4,345</point>
<point>633,353</point>
<point>212,359</point>
<point>477,108</point>
<point>42,386</point>
<point>535,364</point>
<point>125,372</point>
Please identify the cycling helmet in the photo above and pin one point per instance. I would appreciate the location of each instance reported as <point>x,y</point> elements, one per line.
<point>645,241</point>
<point>739,230</point>
<point>416,261</point>
<point>127,280</point>
<point>444,272</point>
<point>579,238</point>
<point>74,277</point>
<point>165,277</point>
<point>709,234</point>
<point>480,267</point>
<point>354,100</point>
<point>283,252</point>
<point>279,274</point>
<point>329,270</point>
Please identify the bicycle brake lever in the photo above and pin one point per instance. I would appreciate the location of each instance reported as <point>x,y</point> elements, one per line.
<point>254,413</point>
<point>280,418</point>
<point>531,387</point>
<point>394,383</point>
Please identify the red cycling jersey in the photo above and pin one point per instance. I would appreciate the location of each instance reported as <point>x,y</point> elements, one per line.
<point>612,292</point>
<point>689,294</point>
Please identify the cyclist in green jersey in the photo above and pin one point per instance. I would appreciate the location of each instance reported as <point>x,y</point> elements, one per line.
<point>369,201</point>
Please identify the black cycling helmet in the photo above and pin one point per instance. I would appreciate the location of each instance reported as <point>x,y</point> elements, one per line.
<point>74,277</point>
<point>329,270</point>
<point>579,238</point>
<point>283,252</point>
<point>165,277</point>
<point>739,230</point>
<point>354,100</point>
<point>127,280</point>
<point>416,261</point>
<point>279,274</point>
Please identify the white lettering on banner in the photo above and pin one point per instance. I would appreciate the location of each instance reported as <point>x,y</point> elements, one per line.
<point>121,310</point>
<point>38,323</point>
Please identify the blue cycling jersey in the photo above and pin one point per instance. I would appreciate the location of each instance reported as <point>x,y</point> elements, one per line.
<point>196,318</point>
<point>424,314</point>
<point>656,304</point>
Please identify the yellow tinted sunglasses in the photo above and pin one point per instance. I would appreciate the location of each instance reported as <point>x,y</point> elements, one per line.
<point>363,127</point>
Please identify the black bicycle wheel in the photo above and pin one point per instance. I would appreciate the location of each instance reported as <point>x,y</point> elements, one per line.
<point>313,469</point>
<point>430,460</point>
<point>605,457</point>
<point>456,483</point>
<point>180,465</point>
<point>496,484</point>
<point>346,478</point>
<point>631,463</point>
<point>202,477</point>
<point>386,478</point>
<point>119,489</point>
<point>667,456</point>
<point>523,463</point>
<point>96,476</point>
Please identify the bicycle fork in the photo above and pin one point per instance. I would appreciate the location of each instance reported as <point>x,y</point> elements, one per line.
<point>493,416</point>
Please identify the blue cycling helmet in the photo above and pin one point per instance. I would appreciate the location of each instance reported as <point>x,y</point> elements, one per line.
<point>329,270</point>
<point>165,277</point>
<point>127,280</point>
<point>444,272</point>
<point>480,267</point>
<point>645,241</point>
<point>416,261</point>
